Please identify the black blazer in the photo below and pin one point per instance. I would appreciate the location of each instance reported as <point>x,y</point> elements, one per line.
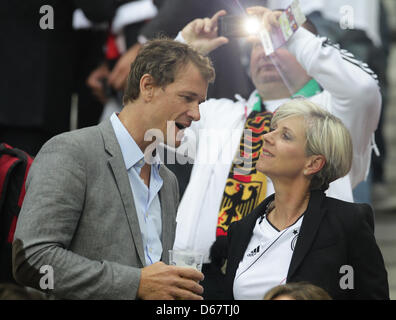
<point>333,233</point>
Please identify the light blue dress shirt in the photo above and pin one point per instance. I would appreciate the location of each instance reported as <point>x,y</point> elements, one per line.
<point>147,201</point>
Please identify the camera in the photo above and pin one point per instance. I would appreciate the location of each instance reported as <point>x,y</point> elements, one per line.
<point>238,26</point>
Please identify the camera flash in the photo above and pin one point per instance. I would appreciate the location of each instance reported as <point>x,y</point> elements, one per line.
<point>252,25</point>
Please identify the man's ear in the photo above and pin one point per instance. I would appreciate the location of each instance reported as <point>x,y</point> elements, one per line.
<point>147,85</point>
<point>315,164</point>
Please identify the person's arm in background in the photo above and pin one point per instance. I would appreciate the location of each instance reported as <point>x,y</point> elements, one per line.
<point>99,12</point>
<point>354,92</point>
<point>201,34</point>
<point>172,17</point>
<point>106,11</point>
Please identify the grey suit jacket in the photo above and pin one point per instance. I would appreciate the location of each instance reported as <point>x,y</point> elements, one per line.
<point>79,218</point>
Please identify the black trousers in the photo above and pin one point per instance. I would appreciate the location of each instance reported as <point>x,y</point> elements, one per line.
<point>214,282</point>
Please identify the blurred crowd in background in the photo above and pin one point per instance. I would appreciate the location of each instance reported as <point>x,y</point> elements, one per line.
<point>72,74</point>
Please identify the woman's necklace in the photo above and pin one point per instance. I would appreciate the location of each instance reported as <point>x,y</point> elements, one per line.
<point>270,206</point>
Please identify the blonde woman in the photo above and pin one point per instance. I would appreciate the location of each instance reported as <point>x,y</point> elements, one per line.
<point>298,233</point>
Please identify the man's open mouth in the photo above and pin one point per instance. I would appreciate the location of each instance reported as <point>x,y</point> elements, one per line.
<point>180,126</point>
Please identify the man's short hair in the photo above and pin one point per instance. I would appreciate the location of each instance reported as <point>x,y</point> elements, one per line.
<point>325,135</point>
<point>162,59</point>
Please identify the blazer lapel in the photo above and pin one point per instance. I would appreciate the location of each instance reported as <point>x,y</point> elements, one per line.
<point>117,166</point>
<point>168,215</point>
<point>244,234</point>
<point>312,219</point>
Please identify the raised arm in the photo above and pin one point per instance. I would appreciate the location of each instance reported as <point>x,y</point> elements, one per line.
<point>352,92</point>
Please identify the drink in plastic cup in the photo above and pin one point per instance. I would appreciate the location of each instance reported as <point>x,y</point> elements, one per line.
<point>187,259</point>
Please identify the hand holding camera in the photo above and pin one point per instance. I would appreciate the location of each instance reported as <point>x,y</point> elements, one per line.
<point>267,18</point>
<point>272,28</point>
<point>207,34</point>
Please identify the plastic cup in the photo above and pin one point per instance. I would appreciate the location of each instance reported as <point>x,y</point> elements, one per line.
<point>186,259</point>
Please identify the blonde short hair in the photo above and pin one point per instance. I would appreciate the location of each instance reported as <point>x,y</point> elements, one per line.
<point>325,135</point>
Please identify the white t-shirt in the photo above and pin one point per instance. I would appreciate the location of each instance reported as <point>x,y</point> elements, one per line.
<point>266,261</point>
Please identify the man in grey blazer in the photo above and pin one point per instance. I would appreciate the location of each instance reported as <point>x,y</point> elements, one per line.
<point>99,213</point>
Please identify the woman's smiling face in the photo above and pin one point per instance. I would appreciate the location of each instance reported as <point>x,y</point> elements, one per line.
<point>284,149</point>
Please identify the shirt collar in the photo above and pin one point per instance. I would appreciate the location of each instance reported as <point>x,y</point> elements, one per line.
<point>130,151</point>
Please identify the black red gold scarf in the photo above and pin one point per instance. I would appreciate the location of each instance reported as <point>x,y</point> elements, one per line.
<point>245,187</point>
